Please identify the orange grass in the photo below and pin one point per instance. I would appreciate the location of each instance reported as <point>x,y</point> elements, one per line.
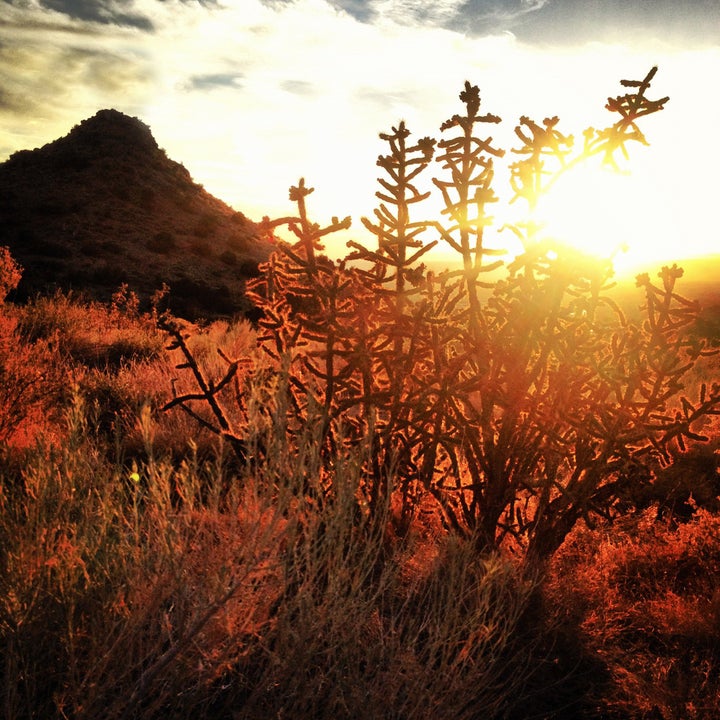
<point>143,575</point>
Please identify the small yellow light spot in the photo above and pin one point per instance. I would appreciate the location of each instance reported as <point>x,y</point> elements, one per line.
<point>135,477</point>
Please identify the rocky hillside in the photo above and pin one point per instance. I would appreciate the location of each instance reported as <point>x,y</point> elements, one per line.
<point>104,205</point>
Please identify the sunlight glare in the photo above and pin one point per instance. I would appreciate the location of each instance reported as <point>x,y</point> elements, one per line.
<point>596,210</point>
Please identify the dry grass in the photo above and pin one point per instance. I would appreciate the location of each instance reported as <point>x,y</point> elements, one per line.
<point>149,591</point>
<point>143,575</point>
<point>91,333</point>
<point>645,602</point>
<point>119,585</point>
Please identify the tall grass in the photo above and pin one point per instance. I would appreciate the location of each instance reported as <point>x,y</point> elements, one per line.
<point>114,582</point>
<point>91,333</point>
<point>156,589</point>
<point>644,600</point>
<point>145,575</point>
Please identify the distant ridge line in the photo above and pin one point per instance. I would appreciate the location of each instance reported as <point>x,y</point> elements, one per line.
<point>104,205</point>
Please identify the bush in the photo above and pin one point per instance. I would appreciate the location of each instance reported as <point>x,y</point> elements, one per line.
<point>519,400</point>
<point>10,273</point>
<point>201,248</point>
<point>29,380</point>
<point>149,591</point>
<point>228,257</point>
<point>112,600</point>
<point>645,601</point>
<point>206,226</point>
<point>92,333</point>
<point>162,242</point>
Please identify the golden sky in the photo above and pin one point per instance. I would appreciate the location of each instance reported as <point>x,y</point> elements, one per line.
<point>250,95</point>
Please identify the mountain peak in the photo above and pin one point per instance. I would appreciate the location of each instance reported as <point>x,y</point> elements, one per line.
<point>104,205</point>
<point>109,126</point>
<point>107,134</point>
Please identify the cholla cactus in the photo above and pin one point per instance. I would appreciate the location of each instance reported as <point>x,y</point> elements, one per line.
<point>516,400</point>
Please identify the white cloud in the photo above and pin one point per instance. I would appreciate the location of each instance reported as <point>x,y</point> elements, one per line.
<point>55,71</point>
<point>402,11</point>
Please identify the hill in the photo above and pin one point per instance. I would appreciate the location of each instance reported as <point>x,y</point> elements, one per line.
<point>104,205</point>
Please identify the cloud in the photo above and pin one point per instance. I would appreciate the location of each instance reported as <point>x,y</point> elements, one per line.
<point>476,17</point>
<point>383,99</point>
<point>362,10</point>
<point>56,70</point>
<point>212,81</point>
<point>405,12</point>
<point>298,87</point>
<point>27,18</point>
<point>569,22</point>
<point>480,17</point>
<point>112,12</point>
<point>556,22</point>
<point>54,78</point>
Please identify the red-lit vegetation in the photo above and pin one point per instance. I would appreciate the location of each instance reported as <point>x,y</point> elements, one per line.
<point>402,495</point>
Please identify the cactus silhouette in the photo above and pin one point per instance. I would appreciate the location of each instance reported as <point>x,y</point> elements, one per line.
<point>517,396</point>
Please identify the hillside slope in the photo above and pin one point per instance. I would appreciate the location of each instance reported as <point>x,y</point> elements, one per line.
<point>104,205</point>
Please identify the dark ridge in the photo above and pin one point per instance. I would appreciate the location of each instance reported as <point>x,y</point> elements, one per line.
<point>104,205</point>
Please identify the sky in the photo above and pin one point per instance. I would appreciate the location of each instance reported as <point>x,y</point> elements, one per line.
<point>251,95</point>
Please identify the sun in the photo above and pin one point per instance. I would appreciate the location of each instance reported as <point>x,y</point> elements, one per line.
<point>600,212</point>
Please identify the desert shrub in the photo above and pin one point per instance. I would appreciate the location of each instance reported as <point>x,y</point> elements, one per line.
<point>50,248</point>
<point>145,198</point>
<point>114,398</point>
<point>366,625</point>
<point>10,273</point>
<point>93,333</point>
<point>58,344</point>
<point>676,489</point>
<point>708,324</point>
<point>149,381</point>
<point>189,296</point>
<point>90,248</point>
<point>201,248</point>
<point>206,226</point>
<point>113,356</point>
<point>162,242</point>
<point>111,246</point>
<point>249,269</point>
<point>49,206</point>
<point>29,375</point>
<point>23,236</point>
<point>446,649</point>
<point>146,590</point>
<point>114,601</point>
<point>106,273</point>
<point>30,384</point>
<point>519,399</point>
<point>643,599</point>
<point>235,338</point>
<point>123,193</point>
<point>228,257</point>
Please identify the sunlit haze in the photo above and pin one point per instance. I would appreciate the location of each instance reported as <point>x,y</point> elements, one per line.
<point>606,213</point>
<point>252,95</point>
